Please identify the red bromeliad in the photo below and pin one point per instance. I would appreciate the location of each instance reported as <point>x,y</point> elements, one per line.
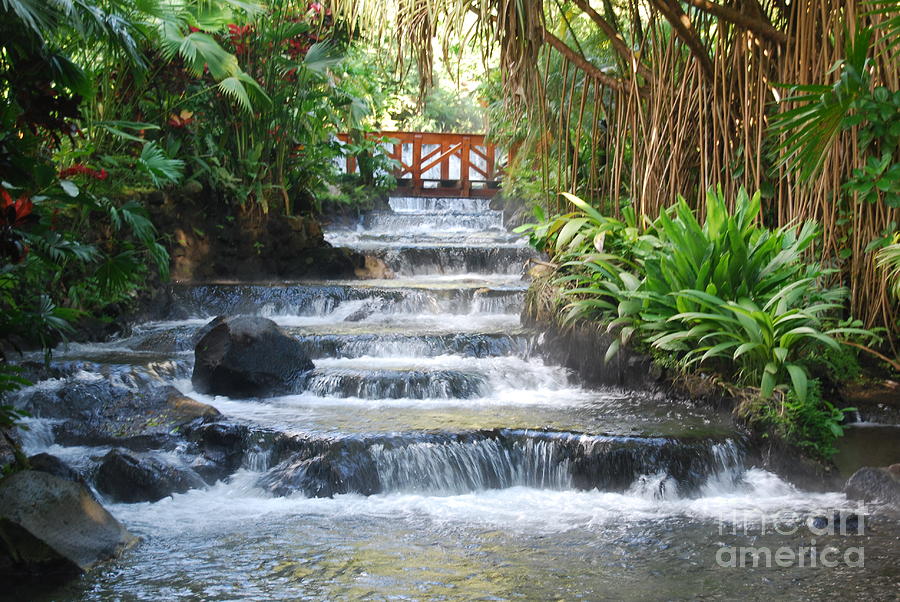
<point>79,169</point>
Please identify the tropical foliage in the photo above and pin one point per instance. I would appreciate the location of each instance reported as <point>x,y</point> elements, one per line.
<point>725,295</point>
<point>632,104</point>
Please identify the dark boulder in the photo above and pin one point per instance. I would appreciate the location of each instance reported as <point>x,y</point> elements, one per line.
<point>220,446</point>
<point>248,356</point>
<point>204,330</point>
<point>127,478</point>
<point>50,464</point>
<point>875,484</point>
<point>101,412</point>
<point>72,400</point>
<point>53,525</point>
<point>344,468</point>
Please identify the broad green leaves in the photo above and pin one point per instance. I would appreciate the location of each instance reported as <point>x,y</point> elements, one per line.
<point>726,293</point>
<point>201,53</point>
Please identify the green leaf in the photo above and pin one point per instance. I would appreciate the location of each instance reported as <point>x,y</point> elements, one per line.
<point>69,187</point>
<point>161,169</point>
<point>612,350</point>
<point>568,232</point>
<point>590,211</point>
<point>799,380</point>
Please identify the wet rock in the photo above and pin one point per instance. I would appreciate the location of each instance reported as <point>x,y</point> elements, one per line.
<point>93,435</point>
<point>344,468</point>
<point>49,524</point>
<point>10,450</point>
<point>186,408</point>
<point>127,478</point>
<point>374,268</point>
<point>874,402</point>
<point>367,310</point>
<point>72,400</point>
<point>838,522</point>
<point>107,414</point>
<point>875,484</point>
<point>248,356</point>
<point>220,448</point>
<point>204,330</point>
<point>582,349</point>
<point>50,464</point>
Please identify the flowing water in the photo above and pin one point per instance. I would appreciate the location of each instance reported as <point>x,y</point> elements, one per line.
<point>467,467</point>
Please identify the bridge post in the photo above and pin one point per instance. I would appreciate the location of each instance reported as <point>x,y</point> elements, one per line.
<point>445,163</point>
<point>464,183</point>
<point>417,163</point>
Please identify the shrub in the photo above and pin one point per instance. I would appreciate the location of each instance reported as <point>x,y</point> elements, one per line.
<point>812,423</point>
<point>727,294</point>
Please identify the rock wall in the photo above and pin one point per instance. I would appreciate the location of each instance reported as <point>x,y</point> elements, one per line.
<point>208,240</point>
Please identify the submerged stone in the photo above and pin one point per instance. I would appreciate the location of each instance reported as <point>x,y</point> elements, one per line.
<point>875,485</point>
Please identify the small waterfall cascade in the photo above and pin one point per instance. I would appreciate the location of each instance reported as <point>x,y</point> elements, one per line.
<point>430,436</point>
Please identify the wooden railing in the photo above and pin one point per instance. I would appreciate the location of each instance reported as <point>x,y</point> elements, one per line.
<point>436,164</point>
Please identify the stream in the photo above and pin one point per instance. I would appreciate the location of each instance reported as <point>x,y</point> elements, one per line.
<point>474,470</point>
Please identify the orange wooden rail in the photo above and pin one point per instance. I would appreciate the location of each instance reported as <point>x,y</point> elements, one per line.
<point>433,164</point>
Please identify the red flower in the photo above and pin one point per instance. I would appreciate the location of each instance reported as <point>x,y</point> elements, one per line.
<point>79,169</point>
<point>14,213</point>
<point>239,35</point>
<point>297,48</point>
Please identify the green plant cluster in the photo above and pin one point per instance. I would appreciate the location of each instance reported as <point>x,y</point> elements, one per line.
<point>70,243</point>
<point>724,294</point>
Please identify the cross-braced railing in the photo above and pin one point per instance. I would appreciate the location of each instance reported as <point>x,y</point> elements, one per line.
<point>437,164</point>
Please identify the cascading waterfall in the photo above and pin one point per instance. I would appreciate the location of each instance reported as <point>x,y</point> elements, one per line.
<point>459,467</point>
<point>429,443</point>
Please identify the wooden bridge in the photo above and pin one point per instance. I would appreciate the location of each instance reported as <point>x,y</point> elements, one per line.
<point>433,164</point>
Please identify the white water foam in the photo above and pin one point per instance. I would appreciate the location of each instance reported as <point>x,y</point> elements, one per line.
<point>522,509</point>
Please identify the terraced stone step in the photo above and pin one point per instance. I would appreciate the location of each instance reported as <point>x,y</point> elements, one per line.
<point>417,260</point>
<point>456,463</point>
<point>384,221</point>
<point>473,205</point>
<point>207,300</point>
<point>396,344</point>
<point>395,384</point>
<point>367,240</point>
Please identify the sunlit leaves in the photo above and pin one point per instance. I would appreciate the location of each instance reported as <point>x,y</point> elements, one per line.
<point>806,131</point>
<point>725,292</point>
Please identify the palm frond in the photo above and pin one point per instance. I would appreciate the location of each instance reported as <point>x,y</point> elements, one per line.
<point>888,259</point>
<point>160,168</point>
